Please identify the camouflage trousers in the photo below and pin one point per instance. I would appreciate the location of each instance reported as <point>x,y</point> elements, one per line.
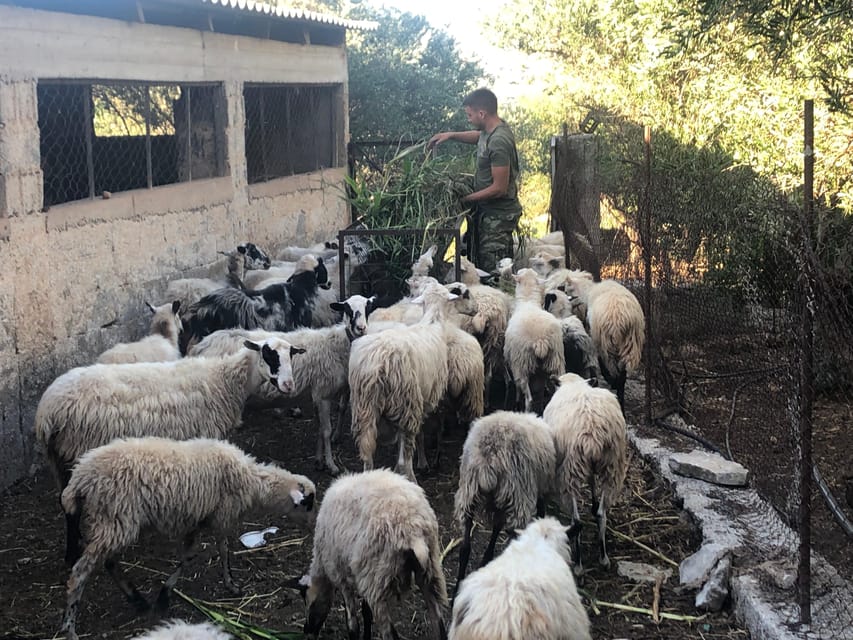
<point>492,237</point>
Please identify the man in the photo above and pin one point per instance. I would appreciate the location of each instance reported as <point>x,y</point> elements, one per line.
<point>495,196</point>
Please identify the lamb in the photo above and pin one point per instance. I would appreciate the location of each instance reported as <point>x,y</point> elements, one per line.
<point>506,469</point>
<point>375,531</point>
<point>322,369</point>
<point>161,345</point>
<point>188,290</point>
<point>528,592</point>
<point>591,444</point>
<point>616,325</point>
<point>533,346</point>
<point>400,375</point>
<point>181,630</point>
<point>88,406</point>
<point>278,307</point>
<point>578,349</point>
<point>176,488</point>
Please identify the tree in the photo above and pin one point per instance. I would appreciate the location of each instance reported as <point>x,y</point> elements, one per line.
<point>407,79</point>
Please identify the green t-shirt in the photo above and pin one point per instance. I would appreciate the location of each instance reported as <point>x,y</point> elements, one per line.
<point>497,149</point>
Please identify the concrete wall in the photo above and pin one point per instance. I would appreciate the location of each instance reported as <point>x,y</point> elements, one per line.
<point>75,277</point>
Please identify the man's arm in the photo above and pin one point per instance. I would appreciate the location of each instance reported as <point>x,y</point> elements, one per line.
<point>468,137</point>
<point>498,188</point>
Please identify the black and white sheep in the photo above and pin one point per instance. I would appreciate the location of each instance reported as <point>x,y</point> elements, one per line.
<point>527,592</point>
<point>161,345</point>
<point>578,349</point>
<point>177,488</point>
<point>616,325</point>
<point>87,407</point>
<point>375,533</point>
<point>322,370</point>
<point>278,307</point>
<point>592,446</point>
<point>506,470</point>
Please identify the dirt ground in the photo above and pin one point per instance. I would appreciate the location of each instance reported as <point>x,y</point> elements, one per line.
<point>32,571</point>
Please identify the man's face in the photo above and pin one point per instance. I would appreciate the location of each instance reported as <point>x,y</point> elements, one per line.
<point>476,117</point>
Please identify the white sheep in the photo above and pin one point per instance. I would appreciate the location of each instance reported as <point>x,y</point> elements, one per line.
<point>181,630</point>
<point>399,375</point>
<point>322,370</point>
<point>616,325</point>
<point>527,592</point>
<point>533,345</point>
<point>375,532</point>
<point>592,446</point>
<point>578,349</point>
<point>131,485</point>
<point>506,470</point>
<point>161,345</point>
<point>87,407</point>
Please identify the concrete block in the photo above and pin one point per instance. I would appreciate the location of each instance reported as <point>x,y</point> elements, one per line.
<point>713,595</point>
<point>709,467</point>
<point>695,569</point>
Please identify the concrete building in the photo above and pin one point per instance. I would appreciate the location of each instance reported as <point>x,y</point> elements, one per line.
<point>138,139</point>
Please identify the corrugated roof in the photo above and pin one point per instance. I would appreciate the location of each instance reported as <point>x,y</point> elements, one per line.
<point>279,11</point>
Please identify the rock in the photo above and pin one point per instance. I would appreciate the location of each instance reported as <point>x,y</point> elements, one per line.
<point>641,572</point>
<point>694,570</point>
<point>713,595</point>
<point>709,467</point>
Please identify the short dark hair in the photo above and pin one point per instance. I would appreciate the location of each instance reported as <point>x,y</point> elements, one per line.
<point>482,99</point>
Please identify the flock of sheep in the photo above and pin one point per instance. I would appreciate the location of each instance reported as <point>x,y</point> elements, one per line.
<point>137,440</point>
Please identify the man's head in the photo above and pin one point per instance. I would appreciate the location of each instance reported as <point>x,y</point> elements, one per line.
<point>480,105</point>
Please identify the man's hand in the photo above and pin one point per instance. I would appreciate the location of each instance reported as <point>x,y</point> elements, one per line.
<point>437,139</point>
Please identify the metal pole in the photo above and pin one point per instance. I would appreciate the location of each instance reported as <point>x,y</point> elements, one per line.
<point>806,392</point>
<point>646,226</point>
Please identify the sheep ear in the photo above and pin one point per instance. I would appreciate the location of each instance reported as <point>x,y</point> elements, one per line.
<point>296,351</point>
<point>340,307</point>
<point>241,248</point>
<point>254,346</point>
<point>370,306</point>
<point>554,262</point>
<point>150,307</point>
<point>176,306</point>
<point>550,298</point>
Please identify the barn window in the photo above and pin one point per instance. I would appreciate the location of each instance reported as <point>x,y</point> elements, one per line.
<point>291,129</point>
<point>97,137</point>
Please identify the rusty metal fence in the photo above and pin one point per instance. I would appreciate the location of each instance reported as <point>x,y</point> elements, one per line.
<point>750,310</point>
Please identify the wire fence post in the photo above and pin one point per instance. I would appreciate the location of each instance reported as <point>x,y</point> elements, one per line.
<point>806,356</point>
<point>646,226</point>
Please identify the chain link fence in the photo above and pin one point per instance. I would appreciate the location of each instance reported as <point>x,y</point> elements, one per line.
<point>98,138</point>
<point>750,330</point>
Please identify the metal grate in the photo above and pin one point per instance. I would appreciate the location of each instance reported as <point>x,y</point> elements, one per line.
<point>110,136</point>
<point>290,129</point>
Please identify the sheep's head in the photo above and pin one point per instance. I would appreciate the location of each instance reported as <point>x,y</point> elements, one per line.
<point>464,303</point>
<point>544,263</point>
<point>275,363</point>
<point>253,256</point>
<point>422,265</point>
<point>357,309</point>
<point>166,321</point>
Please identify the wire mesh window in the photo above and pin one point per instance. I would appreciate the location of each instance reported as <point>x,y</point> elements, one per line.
<point>122,136</point>
<point>290,129</point>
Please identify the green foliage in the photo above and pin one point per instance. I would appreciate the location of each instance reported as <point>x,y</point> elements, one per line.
<point>406,79</point>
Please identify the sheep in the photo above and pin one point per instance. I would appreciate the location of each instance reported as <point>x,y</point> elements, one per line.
<point>506,470</point>
<point>616,325</point>
<point>578,350</point>
<point>400,375</point>
<point>322,369</point>
<point>88,406</point>
<point>161,345</point>
<point>534,339</point>
<point>489,324</point>
<point>375,531</point>
<point>131,485</point>
<point>181,630</point>
<point>322,249</point>
<point>278,307</point>
<point>247,256</point>
<point>591,444</point>
<point>528,592</point>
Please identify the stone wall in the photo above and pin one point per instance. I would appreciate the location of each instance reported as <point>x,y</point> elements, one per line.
<point>75,277</point>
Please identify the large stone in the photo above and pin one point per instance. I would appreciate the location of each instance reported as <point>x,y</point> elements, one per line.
<point>695,569</point>
<point>713,595</point>
<point>709,467</point>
